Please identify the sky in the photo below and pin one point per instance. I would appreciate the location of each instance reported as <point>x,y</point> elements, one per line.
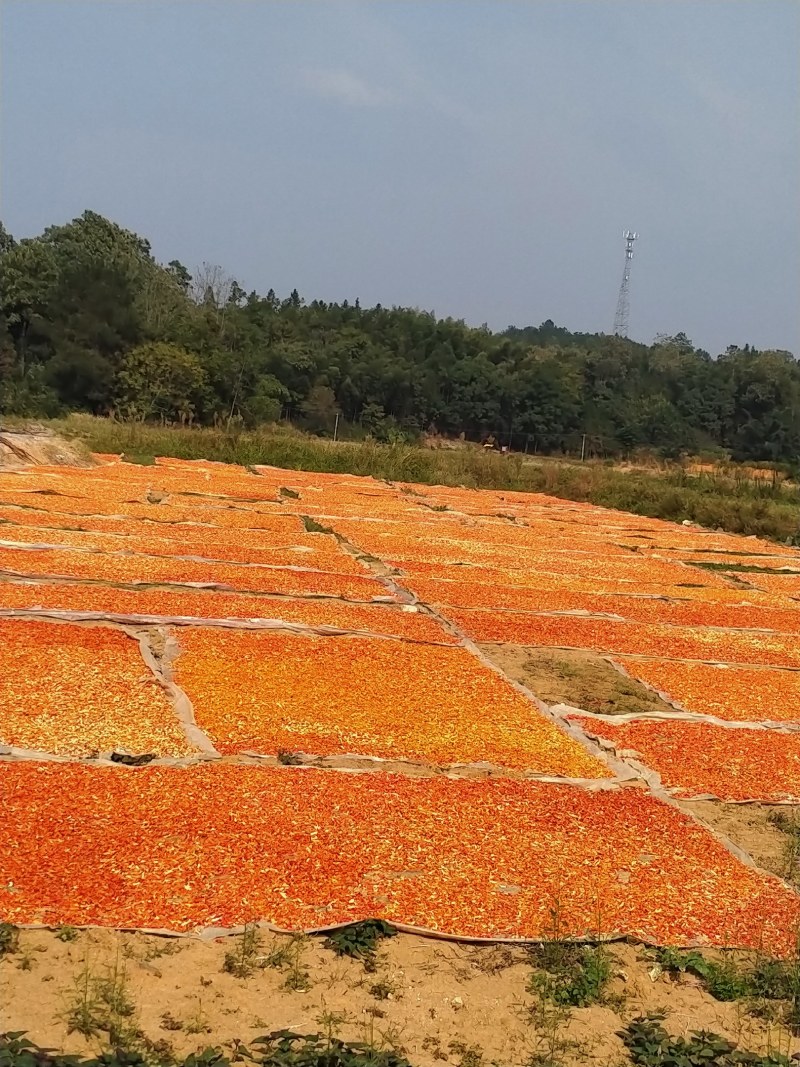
<point>476,159</point>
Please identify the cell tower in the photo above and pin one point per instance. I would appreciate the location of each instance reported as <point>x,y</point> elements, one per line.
<point>623,301</point>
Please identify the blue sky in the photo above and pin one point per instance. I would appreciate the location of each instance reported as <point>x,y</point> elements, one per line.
<point>480,159</point>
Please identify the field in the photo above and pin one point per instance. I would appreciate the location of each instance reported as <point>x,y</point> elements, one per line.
<point>236,695</point>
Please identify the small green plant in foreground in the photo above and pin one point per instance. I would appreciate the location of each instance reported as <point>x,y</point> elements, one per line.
<point>67,933</point>
<point>282,1048</point>
<point>9,938</point>
<point>726,979</point>
<point>570,975</point>
<point>650,1045</point>
<point>245,957</point>
<point>360,940</point>
<point>101,1003</point>
<point>287,956</point>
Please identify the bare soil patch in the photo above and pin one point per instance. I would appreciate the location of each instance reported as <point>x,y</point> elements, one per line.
<point>751,827</point>
<point>584,680</point>
<point>439,1002</point>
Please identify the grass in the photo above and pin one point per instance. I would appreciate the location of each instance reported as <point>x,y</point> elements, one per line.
<point>588,681</point>
<point>715,499</point>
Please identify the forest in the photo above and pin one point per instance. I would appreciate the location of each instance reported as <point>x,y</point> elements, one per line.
<point>91,322</point>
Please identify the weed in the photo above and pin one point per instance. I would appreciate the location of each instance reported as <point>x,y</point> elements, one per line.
<point>242,960</point>
<point>549,1020</point>
<point>297,979</point>
<point>312,526</point>
<point>360,940</point>
<point>25,961</point>
<point>84,1011</point>
<point>650,1045</point>
<point>377,1041</point>
<point>169,1022</point>
<point>384,989</point>
<point>469,1055</point>
<point>9,938</point>
<point>113,990</point>
<point>155,949</point>
<point>725,981</point>
<point>493,958</point>
<point>331,1022</point>
<point>67,933</point>
<point>288,957</point>
<point>285,1047</point>
<point>433,1045</point>
<point>280,956</point>
<point>197,1023</point>
<point>101,1003</point>
<point>573,976</point>
<point>289,759</point>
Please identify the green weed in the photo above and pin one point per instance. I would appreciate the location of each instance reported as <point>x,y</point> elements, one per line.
<point>649,1045</point>
<point>9,938</point>
<point>287,956</point>
<point>242,960</point>
<point>360,940</point>
<point>67,933</point>
<point>572,976</point>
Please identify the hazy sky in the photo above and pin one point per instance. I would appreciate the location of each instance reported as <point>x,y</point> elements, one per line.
<point>477,159</point>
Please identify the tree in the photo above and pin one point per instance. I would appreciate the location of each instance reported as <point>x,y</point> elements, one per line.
<point>180,274</point>
<point>265,403</point>
<point>160,381</point>
<point>89,320</point>
<point>7,242</point>
<point>319,410</point>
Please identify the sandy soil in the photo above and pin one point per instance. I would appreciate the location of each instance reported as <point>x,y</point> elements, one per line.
<point>436,1000</point>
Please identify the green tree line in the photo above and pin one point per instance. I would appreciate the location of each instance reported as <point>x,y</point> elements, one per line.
<point>90,321</point>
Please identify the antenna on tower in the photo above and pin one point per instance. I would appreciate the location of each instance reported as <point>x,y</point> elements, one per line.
<point>623,301</point>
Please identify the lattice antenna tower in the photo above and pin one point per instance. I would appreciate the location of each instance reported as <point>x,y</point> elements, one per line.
<point>623,301</point>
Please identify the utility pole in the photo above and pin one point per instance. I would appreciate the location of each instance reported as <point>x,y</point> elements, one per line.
<point>336,426</point>
<point>623,301</point>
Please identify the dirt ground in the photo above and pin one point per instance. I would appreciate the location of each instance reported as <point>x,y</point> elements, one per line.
<point>750,827</point>
<point>582,679</point>
<point>438,1001</point>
